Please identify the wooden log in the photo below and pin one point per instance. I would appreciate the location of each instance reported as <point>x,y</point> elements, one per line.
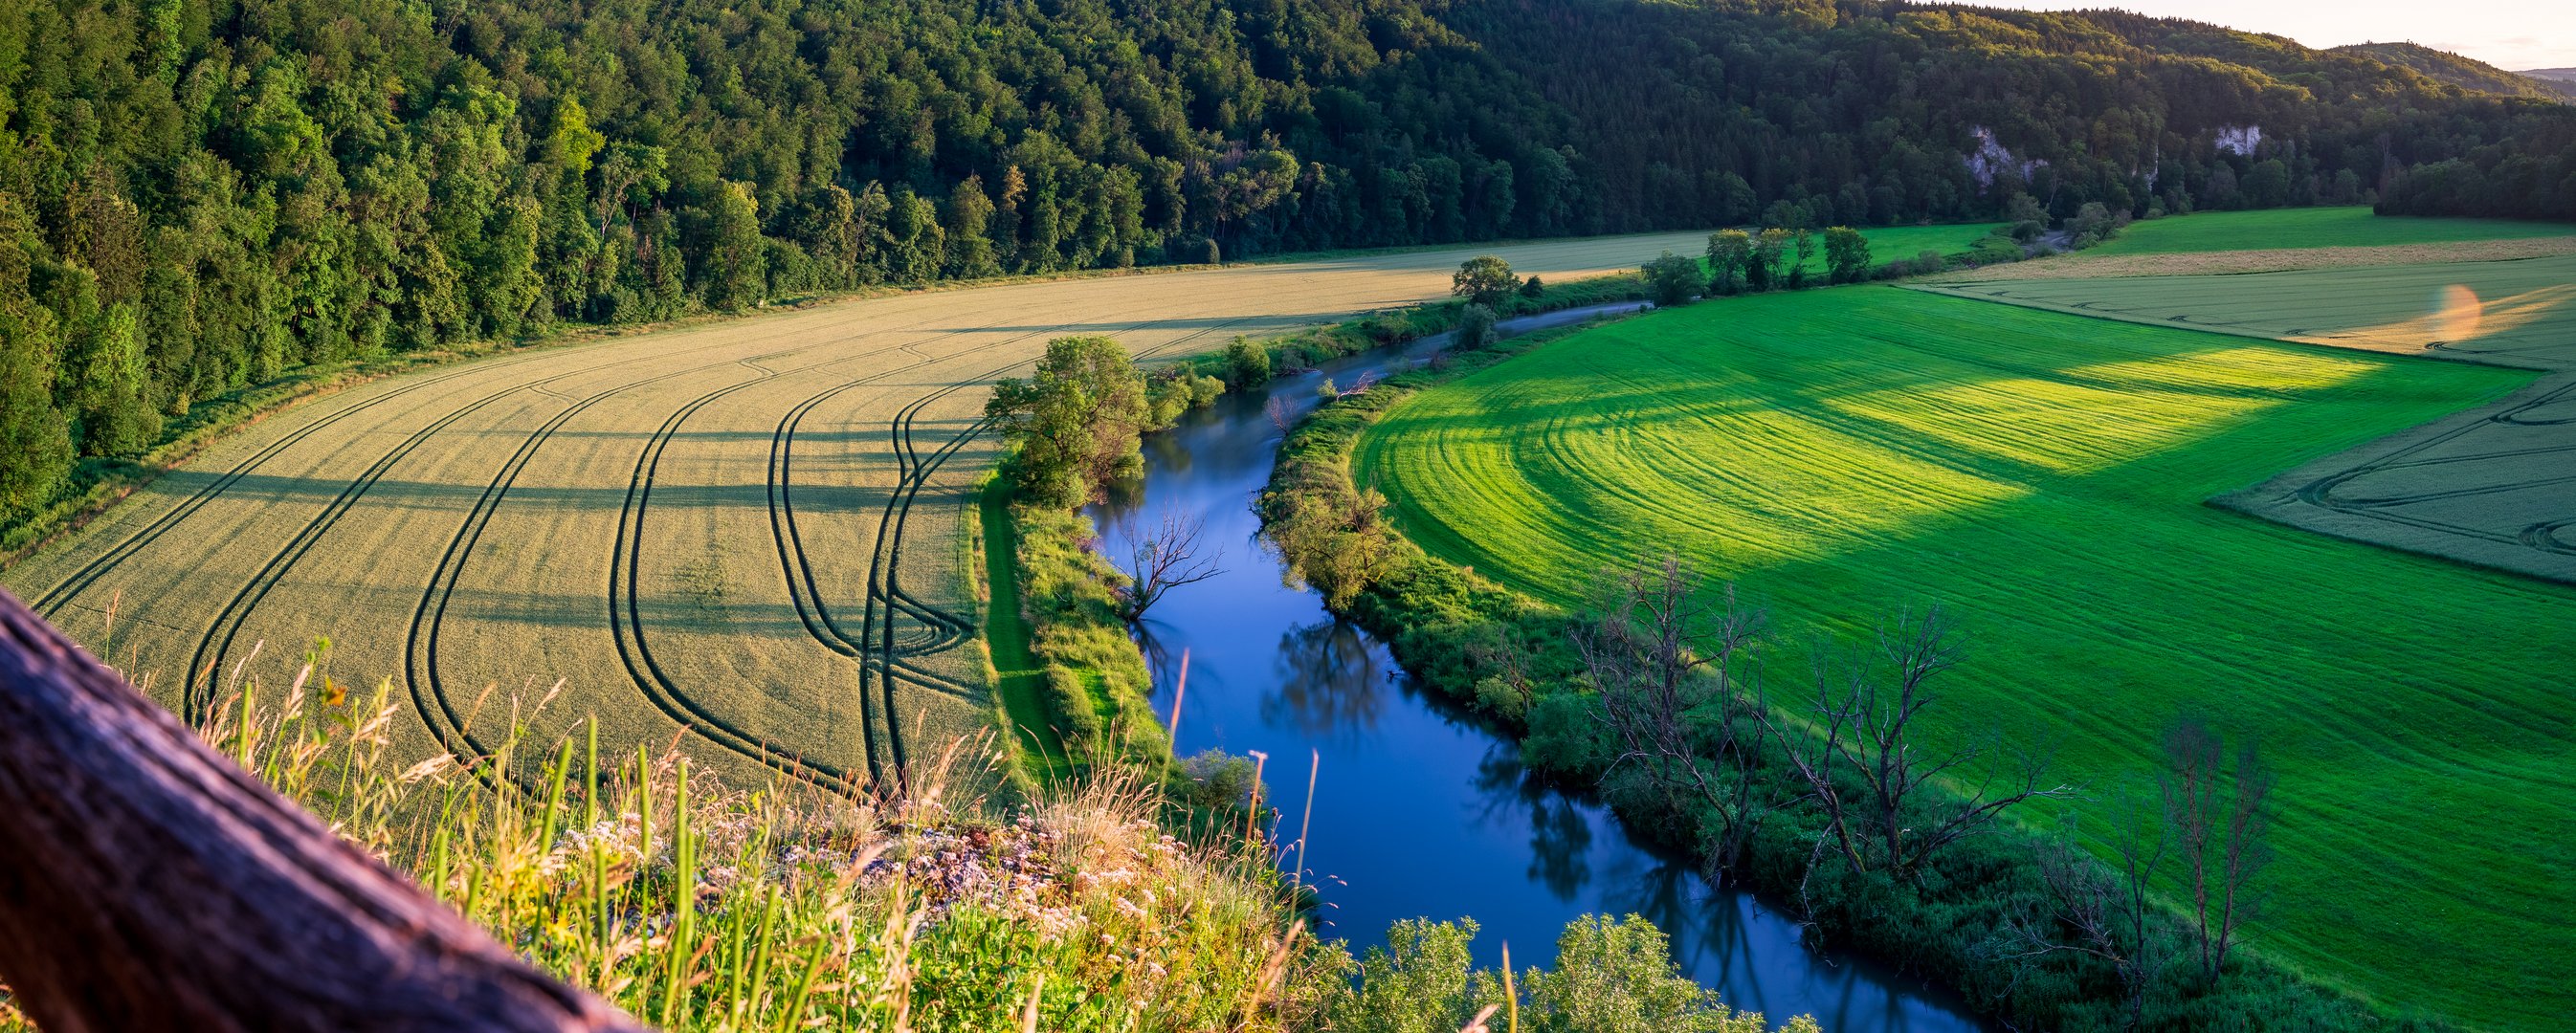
<point>148,883</point>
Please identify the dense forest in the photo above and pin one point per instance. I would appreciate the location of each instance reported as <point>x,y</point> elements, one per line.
<point>205,194</point>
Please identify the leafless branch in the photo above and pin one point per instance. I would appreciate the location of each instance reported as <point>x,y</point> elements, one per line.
<point>1862,723</point>
<point>1164,560</point>
<point>1663,662</point>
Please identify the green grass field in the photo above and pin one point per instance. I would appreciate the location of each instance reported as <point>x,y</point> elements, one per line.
<point>1840,453</point>
<point>2524,311</point>
<point>2350,226</point>
<point>1888,243</point>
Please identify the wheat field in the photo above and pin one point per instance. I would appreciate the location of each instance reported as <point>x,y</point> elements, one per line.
<point>748,534</point>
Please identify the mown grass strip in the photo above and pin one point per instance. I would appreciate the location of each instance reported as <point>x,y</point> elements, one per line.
<point>1019,679</point>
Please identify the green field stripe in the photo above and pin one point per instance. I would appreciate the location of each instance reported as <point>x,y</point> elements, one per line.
<point>1838,453</point>
<point>2347,226</point>
<point>1020,677</point>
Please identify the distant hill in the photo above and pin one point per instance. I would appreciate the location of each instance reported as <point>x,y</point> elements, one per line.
<point>2468,74</point>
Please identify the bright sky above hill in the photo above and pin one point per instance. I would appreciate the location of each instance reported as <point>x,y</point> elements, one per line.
<point>2511,34</point>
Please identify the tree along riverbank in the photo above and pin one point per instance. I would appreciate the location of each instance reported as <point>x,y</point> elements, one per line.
<point>1075,692</point>
<point>1649,704</point>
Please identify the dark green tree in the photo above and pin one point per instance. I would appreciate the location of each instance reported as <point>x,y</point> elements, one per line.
<point>1846,255</point>
<point>970,217</point>
<point>111,388</point>
<point>735,274</point>
<point>1673,279</point>
<point>35,439</point>
<point>1484,279</point>
<point>1077,422</point>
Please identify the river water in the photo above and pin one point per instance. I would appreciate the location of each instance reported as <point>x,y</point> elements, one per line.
<point>1418,811</point>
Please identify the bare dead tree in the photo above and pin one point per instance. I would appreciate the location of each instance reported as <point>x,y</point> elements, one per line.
<point>1663,663</point>
<point>1367,380</point>
<point>1863,727</point>
<point>2100,911</point>
<point>2221,821</point>
<point>1164,560</point>
<point>1277,410</point>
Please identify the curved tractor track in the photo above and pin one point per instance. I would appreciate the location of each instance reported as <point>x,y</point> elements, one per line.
<point>448,531</point>
<point>2426,452</point>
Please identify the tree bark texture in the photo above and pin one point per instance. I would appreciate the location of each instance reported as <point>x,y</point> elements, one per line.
<point>148,883</point>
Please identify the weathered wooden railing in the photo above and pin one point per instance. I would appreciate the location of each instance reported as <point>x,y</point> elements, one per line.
<point>147,883</point>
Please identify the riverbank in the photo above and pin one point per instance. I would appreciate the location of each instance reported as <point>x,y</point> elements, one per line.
<point>1070,684</point>
<point>1401,775</point>
<point>1987,917</point>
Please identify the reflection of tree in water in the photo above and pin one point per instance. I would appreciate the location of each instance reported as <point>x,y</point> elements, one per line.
<point>1159,661</point>
<point>1560,833</point>
<point>1713,938</point>
<point>1329,685</point>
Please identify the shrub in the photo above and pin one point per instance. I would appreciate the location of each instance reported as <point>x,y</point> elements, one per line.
<point>1247,364</point>
<point>1673,280</point>
<point>1214,778</point>
<point>1995,248</point>
<point>1611,974</point>
<point>1475,327</point>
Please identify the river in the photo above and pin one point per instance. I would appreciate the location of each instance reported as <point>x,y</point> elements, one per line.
<point>1419,811</point>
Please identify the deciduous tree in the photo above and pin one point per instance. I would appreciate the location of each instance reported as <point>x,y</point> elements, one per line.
<point>1077,422</point>
<point>1484,279</point>
<point>1846,255</point>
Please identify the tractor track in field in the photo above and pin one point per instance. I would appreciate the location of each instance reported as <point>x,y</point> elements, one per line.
<point>885,564</point>
<point>227,625</point>
<point>61,594</point>
<point>625,592</point>
<point>420,660</point>
<point>220,636</point>
<point>2543,536</point>
<point>420,648</point>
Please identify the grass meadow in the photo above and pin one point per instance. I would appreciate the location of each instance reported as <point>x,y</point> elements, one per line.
<point>1841,453</point>
<point>1889,243</point>
<point>2514,313</point>
<point>2346,226</point>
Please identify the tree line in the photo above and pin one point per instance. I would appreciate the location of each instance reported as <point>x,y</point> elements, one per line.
<point>199,196</point>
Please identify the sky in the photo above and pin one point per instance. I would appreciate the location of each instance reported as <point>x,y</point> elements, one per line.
<point>2512,34</point>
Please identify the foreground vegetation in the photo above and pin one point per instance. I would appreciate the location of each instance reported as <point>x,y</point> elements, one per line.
<point>693,904</point>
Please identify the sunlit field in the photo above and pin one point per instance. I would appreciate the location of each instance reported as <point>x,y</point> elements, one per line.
<point>1838,454</point>
<point>2350,226</point>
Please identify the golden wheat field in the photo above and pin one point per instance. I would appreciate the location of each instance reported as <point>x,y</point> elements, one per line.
<point>748,532</point>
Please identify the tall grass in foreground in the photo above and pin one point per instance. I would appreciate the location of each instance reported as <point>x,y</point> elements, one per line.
<point>693,904</point>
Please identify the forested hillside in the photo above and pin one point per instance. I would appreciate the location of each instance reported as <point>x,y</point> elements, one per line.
<point>204,194</point>
<point>2467,73</point>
